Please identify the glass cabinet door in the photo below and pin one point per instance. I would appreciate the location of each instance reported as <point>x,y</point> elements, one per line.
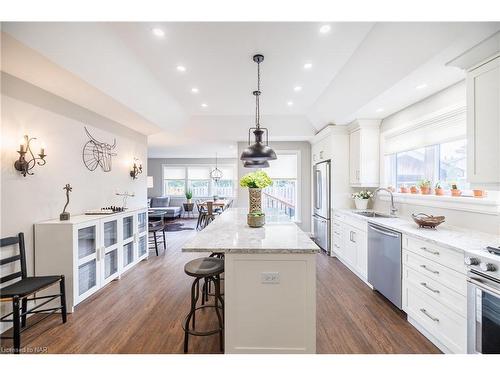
<point>143,245</point>
<point>110,233</point>
<point>87,276</point>
<point>128,253</point>
<point>110,263</point>
<point>142,222</point>
<point>128,227</point>
<point>87,241</point>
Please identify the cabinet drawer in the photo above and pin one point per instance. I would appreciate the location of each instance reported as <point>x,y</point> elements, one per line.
<point>447,257</point>
<point>448,277</point>
<point>436,290</point>
<point>337,229</point>
<point>444,324</point>
<point>338,216</point>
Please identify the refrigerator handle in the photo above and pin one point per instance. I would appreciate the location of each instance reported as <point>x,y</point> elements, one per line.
<point>319,197</point>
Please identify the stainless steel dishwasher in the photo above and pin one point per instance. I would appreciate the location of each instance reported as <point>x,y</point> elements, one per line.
<point>384,262</point>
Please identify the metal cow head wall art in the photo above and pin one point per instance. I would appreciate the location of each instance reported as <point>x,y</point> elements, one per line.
<point>97,153</point>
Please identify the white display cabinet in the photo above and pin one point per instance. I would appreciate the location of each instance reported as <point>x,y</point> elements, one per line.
<point>91,250</point>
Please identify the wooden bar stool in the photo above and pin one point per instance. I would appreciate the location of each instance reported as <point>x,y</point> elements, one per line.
<point>209,268</point>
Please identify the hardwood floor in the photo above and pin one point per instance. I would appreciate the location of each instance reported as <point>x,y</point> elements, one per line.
<point>142,313</point>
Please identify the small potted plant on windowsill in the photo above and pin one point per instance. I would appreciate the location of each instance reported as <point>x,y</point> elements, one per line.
<point>425,186</point>
<point>438,189</point>
<point>413,189</point>
<point>189,196</point>
<point>404,189</point>
<point>361,199</point>
<point>455,192</point>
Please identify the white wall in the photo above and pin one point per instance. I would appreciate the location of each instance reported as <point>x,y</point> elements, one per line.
<point>304,171</point>
<point>27,109</point>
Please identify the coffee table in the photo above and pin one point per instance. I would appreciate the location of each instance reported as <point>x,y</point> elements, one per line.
<point>156,215</point>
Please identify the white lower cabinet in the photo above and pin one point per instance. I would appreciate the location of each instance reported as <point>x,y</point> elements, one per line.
<point>435,293</point>
<point>90,251</point>
<point>349,239</point>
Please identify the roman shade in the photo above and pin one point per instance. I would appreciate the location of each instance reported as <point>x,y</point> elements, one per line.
<point>284,167</point>
<point>447,126</point>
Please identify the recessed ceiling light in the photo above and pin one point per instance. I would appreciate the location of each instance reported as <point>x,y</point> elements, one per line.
<point>297,88</point>
<point>421,86</point>
<point>204,105</point>
<point>195,90</point>
<point>181,68</point>
<point>324,29</point>
<point>158,32</point>
<point>379,110</point>
<point>289,104</point>
<point>308,66</point>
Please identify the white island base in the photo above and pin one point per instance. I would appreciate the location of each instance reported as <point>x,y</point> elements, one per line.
<point>270,303</point>
<point>269,284</point>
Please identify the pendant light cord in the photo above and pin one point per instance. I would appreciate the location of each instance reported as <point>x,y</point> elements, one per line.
<point>257,101</point>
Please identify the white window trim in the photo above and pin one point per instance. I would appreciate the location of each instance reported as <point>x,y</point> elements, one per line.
<point>489,205</point>
<point>186,177</point>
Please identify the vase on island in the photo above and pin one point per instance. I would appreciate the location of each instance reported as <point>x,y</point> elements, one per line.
<point>255,182</point>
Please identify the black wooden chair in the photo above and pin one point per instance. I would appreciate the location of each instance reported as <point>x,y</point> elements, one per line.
<point>21,291</point>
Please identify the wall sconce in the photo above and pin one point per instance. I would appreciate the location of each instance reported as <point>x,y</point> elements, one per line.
<point>24,166</point>
<point>136,169</point>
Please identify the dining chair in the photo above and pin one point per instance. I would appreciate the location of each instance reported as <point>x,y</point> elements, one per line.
<point>201,213</point>
<point>22,291</point>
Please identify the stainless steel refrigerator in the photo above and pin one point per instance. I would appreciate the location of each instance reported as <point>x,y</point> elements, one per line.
<point>321,216</point>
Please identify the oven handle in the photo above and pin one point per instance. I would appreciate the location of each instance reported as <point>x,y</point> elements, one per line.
<point>481,285</point>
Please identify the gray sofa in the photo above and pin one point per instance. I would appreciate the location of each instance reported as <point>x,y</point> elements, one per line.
<point>163,204</point>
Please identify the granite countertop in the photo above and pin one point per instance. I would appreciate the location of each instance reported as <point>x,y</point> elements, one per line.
<point>456,238</point>
<point>229,233</point>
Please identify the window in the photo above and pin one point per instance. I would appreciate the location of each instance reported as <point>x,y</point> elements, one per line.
<point>178,179</point>
<point>281,197</point>
<point>174,181</point>
<point>444,162</point>
<point>199,181</point>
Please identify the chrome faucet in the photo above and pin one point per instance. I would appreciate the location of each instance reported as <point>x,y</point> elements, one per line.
<point>394,210</point>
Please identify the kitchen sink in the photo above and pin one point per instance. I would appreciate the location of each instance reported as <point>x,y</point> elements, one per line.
<point>373,214</point>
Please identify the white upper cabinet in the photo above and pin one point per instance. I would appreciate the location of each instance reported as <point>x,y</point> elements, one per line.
<point>321,150</point>
<point>483,125</point>
<point>364,153</point>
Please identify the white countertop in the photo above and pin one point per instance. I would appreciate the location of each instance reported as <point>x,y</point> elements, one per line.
<point>229,233</point>
<point>82,218</point>
<point>456,238</point>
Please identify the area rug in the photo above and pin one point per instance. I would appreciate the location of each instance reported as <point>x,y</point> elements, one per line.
<point>176,227</point>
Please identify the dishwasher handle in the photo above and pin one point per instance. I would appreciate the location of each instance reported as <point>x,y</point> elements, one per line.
<point>390,234</point>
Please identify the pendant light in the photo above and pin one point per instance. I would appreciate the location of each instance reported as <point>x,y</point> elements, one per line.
<point>259,152</point>
<point>216,174</point>
<point>255,164</point>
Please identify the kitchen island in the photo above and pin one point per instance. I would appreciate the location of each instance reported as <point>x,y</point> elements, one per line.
<point>269,283</point>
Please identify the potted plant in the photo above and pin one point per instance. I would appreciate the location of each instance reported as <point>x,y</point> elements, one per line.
<point>455,192</point>
<point>189,196</point>
<point>404,189</point>
<point>438,189</point>
<point>425,186</point>
<point>361,199</point>
<point>413,189</point>
<point>255,182</point>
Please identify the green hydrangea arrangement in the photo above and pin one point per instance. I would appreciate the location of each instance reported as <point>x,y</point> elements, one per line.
<point>258,179</point>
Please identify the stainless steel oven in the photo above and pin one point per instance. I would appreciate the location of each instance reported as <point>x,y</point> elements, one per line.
<point>483,299</point>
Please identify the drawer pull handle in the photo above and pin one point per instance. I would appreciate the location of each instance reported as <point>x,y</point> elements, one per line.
<point>428,287</point>
<point>424,311</point>
<point>337,233</point>
<point>433,252</point>
<point>428,269</point>
<point>337,246</point>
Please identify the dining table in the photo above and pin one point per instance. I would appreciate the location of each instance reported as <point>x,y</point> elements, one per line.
<point>219,203</point>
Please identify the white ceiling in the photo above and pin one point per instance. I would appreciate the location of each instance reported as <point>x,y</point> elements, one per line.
<point>357,69</point>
